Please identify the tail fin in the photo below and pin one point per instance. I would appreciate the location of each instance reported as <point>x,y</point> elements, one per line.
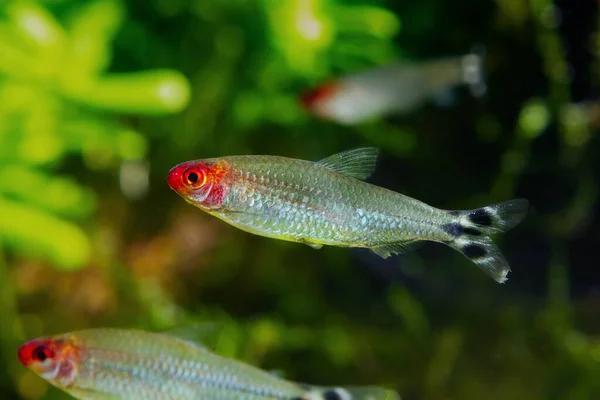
<point>473,71</point>
<point>471,232</point>
<point>350,393</point>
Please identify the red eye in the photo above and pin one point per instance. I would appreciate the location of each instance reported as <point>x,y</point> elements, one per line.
<point>194,177</point>
<point>42,353</point>
<point>35,351</point>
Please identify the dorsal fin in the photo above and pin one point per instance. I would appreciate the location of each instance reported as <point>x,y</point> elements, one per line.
<point>356,163</point>
<point>195,334</point>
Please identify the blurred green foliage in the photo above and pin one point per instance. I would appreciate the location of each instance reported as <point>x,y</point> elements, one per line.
<point>99,98</point>
<point>55,93</point>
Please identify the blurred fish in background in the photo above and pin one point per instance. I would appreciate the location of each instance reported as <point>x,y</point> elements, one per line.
<point>398,88</point>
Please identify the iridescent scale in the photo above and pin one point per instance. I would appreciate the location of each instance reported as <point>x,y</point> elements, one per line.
<point>139,365</point>
<point>307,202</point>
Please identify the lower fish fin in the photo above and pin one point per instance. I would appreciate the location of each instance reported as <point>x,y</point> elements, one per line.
<point>388,249</point>
<point>485,254</point>
<point>313,245</point>
<point>350,393</point>
<point>89,394</point>
<point>472,228</point>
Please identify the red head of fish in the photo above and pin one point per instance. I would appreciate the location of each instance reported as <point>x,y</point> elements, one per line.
<point>316,99</point>
<point>202,183</point>
<point>53,359</point>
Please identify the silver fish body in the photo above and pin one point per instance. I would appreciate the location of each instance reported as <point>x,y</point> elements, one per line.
<point>300,201</point>
<point>132,364</point>
<point>328,203</point>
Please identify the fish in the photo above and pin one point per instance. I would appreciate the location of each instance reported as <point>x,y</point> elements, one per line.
<point>328,202</point>
<point>398,88</point>
<point>111,363</point>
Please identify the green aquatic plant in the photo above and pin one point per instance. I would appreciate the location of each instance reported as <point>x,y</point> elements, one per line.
<point>421,323</point>
<point>58,102</point>
<point>309,41</point>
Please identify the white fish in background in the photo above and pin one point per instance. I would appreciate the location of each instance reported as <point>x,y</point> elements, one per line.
<point>397,88</point>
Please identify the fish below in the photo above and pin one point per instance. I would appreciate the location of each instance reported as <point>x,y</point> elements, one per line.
<point>328,203</point>
<point>99,364</point>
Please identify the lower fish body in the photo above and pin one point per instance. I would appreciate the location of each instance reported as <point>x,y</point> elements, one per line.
<point>328,203</point>
<point>130,364</point>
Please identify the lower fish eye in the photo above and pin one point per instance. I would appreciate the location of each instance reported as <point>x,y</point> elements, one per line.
<point>41,353</point>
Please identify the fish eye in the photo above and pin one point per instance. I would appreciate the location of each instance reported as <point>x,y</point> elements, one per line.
<point>42,353</point>
<point>194,177</point>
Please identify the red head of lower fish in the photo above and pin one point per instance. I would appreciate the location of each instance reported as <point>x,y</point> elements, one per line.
<point>316,99</point>
<point>202,183</point>
<point>54,359</point>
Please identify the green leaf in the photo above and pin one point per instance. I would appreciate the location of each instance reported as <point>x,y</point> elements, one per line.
<point>37,24</point>
<point>91,31</point>
<point>102,142</point>
<point>61,196</point>
<point>150,92</point>
<point>16,62</point>
<point>33,233</point>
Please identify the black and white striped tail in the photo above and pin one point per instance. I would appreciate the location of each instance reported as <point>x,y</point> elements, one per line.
<point>350,393</point>
<point>471,232</point>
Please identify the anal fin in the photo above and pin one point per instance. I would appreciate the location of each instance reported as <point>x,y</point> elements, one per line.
<point>313,245</point>
<point>389,249</point>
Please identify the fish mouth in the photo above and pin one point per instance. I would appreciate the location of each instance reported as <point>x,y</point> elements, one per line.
<point>23,353</point>
<point>29,353</point>
<point>174,178</point>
